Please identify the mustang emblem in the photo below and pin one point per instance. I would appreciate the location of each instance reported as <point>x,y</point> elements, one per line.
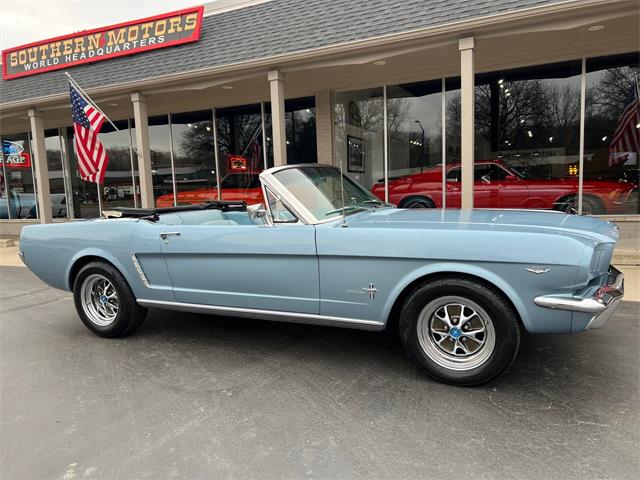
<point>538,270</point>
<point>370,290</point>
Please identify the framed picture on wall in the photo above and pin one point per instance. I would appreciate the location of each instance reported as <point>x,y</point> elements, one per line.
<point>355,154</point>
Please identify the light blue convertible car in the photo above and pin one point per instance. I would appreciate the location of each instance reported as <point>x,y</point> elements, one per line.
<point>459,286</point>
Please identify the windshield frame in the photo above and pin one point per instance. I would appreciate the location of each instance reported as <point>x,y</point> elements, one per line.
<point>270,180</point>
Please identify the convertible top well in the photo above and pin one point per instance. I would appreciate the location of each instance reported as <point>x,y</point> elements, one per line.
<point>153,213</point>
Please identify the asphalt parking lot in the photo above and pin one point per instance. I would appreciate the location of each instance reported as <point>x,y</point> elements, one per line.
<point>196,397</point>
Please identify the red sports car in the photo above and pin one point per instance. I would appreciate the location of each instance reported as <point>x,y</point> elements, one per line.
<point>500,186</point>
<point>235,186</point>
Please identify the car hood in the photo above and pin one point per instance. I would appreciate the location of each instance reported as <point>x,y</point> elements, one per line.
<point>496,220</point>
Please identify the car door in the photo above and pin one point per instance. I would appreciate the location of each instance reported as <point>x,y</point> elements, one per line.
<point>485,189</point>
<point>251,266</point>
<point>484,193</point>
<point>512,190</point>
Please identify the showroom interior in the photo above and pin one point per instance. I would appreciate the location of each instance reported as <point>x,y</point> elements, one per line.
<point>539,89</point>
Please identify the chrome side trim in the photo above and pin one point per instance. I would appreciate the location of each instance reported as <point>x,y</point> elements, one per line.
<point>138,268</point>
<point>272,315</point>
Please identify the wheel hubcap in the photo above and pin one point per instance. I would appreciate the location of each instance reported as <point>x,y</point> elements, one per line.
<point>456,333</point>
<point>99,300</point>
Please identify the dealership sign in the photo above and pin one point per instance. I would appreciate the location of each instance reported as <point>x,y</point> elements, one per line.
<point>13,155</point>
<point>161,31</point>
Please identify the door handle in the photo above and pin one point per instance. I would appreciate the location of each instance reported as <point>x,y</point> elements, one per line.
<point>164,235</point>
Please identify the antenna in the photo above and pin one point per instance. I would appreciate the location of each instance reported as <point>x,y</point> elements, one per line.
<point>344,217</point>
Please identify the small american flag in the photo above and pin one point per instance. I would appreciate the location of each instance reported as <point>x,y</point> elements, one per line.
<point>626,138</point>
<point>91,155</point>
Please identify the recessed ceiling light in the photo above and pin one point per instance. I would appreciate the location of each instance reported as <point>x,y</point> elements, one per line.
<point>227,87</point>
<point>595,28</point>
<point>380,62</point>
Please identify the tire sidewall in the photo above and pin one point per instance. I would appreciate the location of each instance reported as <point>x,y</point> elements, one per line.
<point>501,314</point>
<point>414,202</point>
<point>122,321</point>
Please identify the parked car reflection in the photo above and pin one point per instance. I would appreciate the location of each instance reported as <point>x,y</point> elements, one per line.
<point>497,185</point>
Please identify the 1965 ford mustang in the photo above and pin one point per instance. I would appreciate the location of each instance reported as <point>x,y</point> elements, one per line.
<point>460,286</point>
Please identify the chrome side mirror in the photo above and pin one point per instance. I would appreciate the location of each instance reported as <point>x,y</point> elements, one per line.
<point>257,211</point>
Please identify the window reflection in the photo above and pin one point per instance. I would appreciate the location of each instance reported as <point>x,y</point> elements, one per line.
<point>17,190</point>
<point>359,141</point>
<point>193,159</point>
<point>57,182</point>
<point>612,135</point>
<point>240,152</point>
<point>414,125</point>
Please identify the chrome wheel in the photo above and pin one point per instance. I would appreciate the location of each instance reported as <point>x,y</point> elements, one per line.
<point>571,207</point>
<point>99,300</point>
<point>456,333</point>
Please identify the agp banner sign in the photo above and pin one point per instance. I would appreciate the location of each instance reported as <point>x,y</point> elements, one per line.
<point>13,155</point>
<point>161,31</point>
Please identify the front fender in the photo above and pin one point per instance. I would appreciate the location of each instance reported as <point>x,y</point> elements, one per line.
<point>461,268</point>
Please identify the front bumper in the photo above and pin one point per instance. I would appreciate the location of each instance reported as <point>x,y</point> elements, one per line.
<point>602,304</point>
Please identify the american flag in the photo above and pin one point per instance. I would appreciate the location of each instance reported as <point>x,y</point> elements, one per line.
<point>626,138</point>
<point>91,155</point>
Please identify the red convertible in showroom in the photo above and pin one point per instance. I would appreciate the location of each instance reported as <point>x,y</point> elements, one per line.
<point>500,186</point>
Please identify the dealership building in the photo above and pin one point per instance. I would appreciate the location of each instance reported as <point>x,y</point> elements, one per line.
<point>442,103</point>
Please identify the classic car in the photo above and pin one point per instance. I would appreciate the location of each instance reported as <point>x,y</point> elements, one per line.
<point>235,186</point>
<point>497,185</point>
<point>460,286</point>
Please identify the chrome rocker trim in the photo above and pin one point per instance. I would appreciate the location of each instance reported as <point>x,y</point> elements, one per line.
<point>272,315</point>
<point>602,304</point>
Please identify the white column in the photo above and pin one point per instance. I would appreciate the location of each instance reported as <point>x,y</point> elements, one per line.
<point>39,153</point>
<point>324,126</point>
<point>276,85</point>
<point>467,118</point>
<point>142,146</point>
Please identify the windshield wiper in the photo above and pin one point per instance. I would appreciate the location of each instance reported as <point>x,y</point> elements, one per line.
<point>348,208</point>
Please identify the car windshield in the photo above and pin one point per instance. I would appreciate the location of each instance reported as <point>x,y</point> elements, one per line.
<point>319,189</point>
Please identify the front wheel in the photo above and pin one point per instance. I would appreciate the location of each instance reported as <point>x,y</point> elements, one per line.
<point>459,331</point>
<point>104,301</point>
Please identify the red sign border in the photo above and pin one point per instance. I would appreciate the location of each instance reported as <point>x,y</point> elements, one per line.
<point>193,38</point>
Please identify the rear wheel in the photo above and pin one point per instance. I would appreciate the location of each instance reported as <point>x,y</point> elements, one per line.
<point>459,331</point>
<point>104,301</point>
<point>417,202</point>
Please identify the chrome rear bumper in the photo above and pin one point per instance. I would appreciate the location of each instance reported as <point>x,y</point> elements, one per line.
<point>602,304</point>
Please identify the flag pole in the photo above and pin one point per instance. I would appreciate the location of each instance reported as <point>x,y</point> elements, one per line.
<point>99,199</point>
<point>89,99</point>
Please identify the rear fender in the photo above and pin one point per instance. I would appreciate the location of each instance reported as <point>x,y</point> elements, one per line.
<point>95,252</point>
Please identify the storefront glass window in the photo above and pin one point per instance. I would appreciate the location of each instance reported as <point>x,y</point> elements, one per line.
<point>17,189</point>
<point>300,123</point>
<point>452,141</point>
<point>193,159</point>
<point>240,154</point>
<point>53,147</point>
<point>359,136</point>
<point>414,129</point>
<point>160,151</point>
<point>527,138</point>
<point>118,189</point>
<point>612,135</point>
